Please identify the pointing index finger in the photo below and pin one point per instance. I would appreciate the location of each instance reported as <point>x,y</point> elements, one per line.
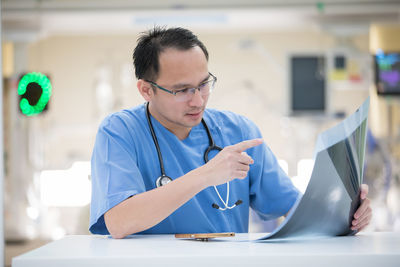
<point>244,145</point>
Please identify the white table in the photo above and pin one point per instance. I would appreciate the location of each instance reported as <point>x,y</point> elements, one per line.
<point>365,249</point>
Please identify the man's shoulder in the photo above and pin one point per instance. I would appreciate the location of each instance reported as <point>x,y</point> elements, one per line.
<point>131,116</point>
<point>227,118</point>
<point>234,127</point>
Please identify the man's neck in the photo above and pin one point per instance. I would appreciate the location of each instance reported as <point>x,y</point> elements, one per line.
<point>180,132</point>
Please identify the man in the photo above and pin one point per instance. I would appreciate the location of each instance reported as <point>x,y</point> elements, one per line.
<point>128,196</point>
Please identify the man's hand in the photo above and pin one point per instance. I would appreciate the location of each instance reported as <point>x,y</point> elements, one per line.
<point>230,163</point>
<point>144,210</point>
<point>363,215</point>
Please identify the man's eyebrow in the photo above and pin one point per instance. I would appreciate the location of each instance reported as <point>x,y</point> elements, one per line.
<point>187,85</point>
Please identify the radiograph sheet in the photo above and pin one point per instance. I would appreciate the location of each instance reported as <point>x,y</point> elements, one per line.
<point>332,195</point>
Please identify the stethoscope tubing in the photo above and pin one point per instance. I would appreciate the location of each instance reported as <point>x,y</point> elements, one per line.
<point>153,135</point>
<point>211,146</point>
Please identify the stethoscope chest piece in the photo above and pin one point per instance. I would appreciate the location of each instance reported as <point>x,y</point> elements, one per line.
<point>163,180</point>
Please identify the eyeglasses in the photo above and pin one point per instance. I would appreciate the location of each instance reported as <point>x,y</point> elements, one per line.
<point>186,94</point>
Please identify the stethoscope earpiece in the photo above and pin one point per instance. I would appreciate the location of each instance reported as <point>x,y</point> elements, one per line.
<point>215,206</point>
<point>237,203</point>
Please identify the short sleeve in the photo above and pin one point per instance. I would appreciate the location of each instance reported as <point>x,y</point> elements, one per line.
<point>272,193</point>
<point>115,174</point>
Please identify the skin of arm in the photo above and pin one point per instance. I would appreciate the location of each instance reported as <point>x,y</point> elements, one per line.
<point>147,209</point>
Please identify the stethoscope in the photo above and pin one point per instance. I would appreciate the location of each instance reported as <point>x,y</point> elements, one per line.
<point>164,179</point>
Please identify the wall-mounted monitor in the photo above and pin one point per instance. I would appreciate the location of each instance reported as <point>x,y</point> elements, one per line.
<point>387,73</point>
<point>308,83</point>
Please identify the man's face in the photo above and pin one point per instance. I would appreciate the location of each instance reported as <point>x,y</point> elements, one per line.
<point>178,70</point>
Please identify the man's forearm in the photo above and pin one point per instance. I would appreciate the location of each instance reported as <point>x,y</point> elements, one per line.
<point>147,209</point>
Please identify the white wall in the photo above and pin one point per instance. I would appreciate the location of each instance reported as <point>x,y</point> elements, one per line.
<point>252,70</point>
<point>1,160</point>
<point>253,73</point>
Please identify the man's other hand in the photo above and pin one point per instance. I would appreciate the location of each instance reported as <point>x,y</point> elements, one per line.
<point>362,217</point>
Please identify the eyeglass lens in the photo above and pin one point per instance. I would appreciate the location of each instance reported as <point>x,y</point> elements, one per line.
<point>204,90</point>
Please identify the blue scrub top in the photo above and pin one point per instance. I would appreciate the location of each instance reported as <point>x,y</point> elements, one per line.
<point>125,163</point>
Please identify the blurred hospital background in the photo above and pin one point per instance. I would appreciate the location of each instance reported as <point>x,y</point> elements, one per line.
<point>294,67</point>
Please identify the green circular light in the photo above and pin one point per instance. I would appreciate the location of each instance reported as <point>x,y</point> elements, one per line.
<point>44,83</point>
<point>321,7</point>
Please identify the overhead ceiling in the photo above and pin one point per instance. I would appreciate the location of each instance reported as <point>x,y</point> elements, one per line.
<point>25,20</point>
<point>78,5</point>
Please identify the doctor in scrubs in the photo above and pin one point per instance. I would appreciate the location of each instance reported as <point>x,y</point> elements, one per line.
<point>172,165</point>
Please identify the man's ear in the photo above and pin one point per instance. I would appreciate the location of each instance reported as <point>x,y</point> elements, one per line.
<point>145,89</point>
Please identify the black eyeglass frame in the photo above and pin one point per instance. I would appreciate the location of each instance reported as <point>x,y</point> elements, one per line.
<point>214,80</point>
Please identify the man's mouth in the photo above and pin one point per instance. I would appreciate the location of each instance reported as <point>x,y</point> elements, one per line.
<point>195,113</point>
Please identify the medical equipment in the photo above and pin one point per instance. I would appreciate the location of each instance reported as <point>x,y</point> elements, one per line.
<point>164,179</point>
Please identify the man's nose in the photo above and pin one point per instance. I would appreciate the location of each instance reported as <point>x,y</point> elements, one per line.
<point>197,99</point>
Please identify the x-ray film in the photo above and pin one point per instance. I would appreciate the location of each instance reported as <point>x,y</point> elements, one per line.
<point>332,195</point>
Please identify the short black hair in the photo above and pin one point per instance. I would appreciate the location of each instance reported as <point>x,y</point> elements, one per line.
<point>153,42</point>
